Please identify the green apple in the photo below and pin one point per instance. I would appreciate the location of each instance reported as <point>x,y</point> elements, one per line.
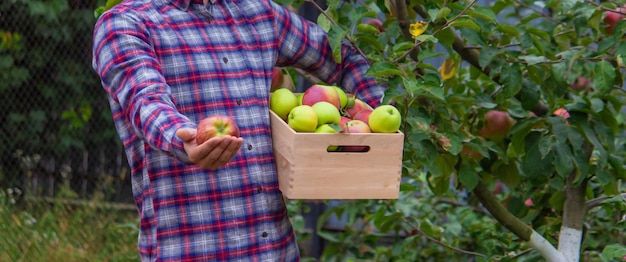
<point>282,101</point>
<point>343,98</point>
<point>299,96</point>
<point>327,113</point>
<point>385,119</point>
<point>302,119</point>
<point>329,129</point>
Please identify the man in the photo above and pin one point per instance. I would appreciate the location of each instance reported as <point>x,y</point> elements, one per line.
<point>166,64</point>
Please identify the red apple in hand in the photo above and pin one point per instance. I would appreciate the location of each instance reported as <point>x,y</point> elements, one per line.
<point>497,125</point>
<point>216,126</point>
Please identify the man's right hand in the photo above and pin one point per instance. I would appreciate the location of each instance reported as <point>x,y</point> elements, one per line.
<point>212,154</point>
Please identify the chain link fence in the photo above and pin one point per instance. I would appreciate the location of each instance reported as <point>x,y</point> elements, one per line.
<point>56,129</point>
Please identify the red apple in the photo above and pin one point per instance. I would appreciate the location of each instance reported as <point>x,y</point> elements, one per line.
<point>612,18</point>
<point>377,23</point>
<point>581,83</point>
<point>216,126</point>
<point>356,126</point>
<point>318,93</point>
<point>529,202</point>
<point>363,115</point>
<point>471,153</point>
<point>357,107</point>
<point>277,79</point>
<point>496,125</point>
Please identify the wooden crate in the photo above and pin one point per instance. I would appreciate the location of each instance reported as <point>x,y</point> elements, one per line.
<point>306,170</point>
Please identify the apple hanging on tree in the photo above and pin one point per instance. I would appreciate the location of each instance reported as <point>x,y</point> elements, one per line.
<point>611,18</point>
<point>496,125</point>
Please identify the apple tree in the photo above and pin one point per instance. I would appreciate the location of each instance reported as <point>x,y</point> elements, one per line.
<point>514,126</point>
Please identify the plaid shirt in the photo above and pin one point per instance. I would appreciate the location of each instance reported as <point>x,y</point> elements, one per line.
<point>165,64</point>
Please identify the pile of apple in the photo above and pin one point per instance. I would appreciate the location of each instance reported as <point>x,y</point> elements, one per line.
<point>328,109</point>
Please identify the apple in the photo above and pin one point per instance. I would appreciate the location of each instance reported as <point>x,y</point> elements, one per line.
<point>302,119</point>
<point>282,101</point>
<point>471,153</point>
<point>611,18</point>
<point>328,129</point>
<point>343,121</point>
<point>327,113</point>
<point>343,98</point>
<point>318,93</point>
<point>277,79</point>
<point>299,96</point>
<point>363,115</point>
<point>357,107</point>
<point>581,83</point>
<point>529,202</point>
<point>496,125</point>
<point>377,23</point>
<point>385,119</point>
<point>216,126</point>
<point>356,126</point>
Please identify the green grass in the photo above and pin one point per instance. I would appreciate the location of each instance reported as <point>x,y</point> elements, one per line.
<point>52,231</point>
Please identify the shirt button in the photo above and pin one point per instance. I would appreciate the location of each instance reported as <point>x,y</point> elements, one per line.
<point>239,102</point>
<point>249,147</point>
<point>259,189</point>
<point>264,234</point>
<point>225,59</point>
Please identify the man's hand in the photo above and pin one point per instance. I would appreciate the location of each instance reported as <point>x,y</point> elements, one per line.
<point>212,154</point>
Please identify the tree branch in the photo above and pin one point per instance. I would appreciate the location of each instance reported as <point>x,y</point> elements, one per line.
<point>415,227</point>
<point>598,201</point>
<point>499,212</point>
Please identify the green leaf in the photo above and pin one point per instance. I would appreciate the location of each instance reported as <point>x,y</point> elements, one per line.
<point>324,23</point>
<point>556,200</point>
<point>465,22</point>
<point>383,68</point>
<point>427,38</point>
<point>533,59</point>
<point>519,131</point>
<point>508,29</point>
<point>508,173</point>
<point>535,166</point>
<point>487,54</point>
<point>563,159</point>
<point>468,177</point>
<point>511,81</point>
<point>335,38</point>
<point>482,12</point>
<point>545,145</point>
<point>613,251</point>
<point>604,76</point>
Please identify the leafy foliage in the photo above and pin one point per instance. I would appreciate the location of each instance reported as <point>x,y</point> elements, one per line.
<point>521,57</point>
